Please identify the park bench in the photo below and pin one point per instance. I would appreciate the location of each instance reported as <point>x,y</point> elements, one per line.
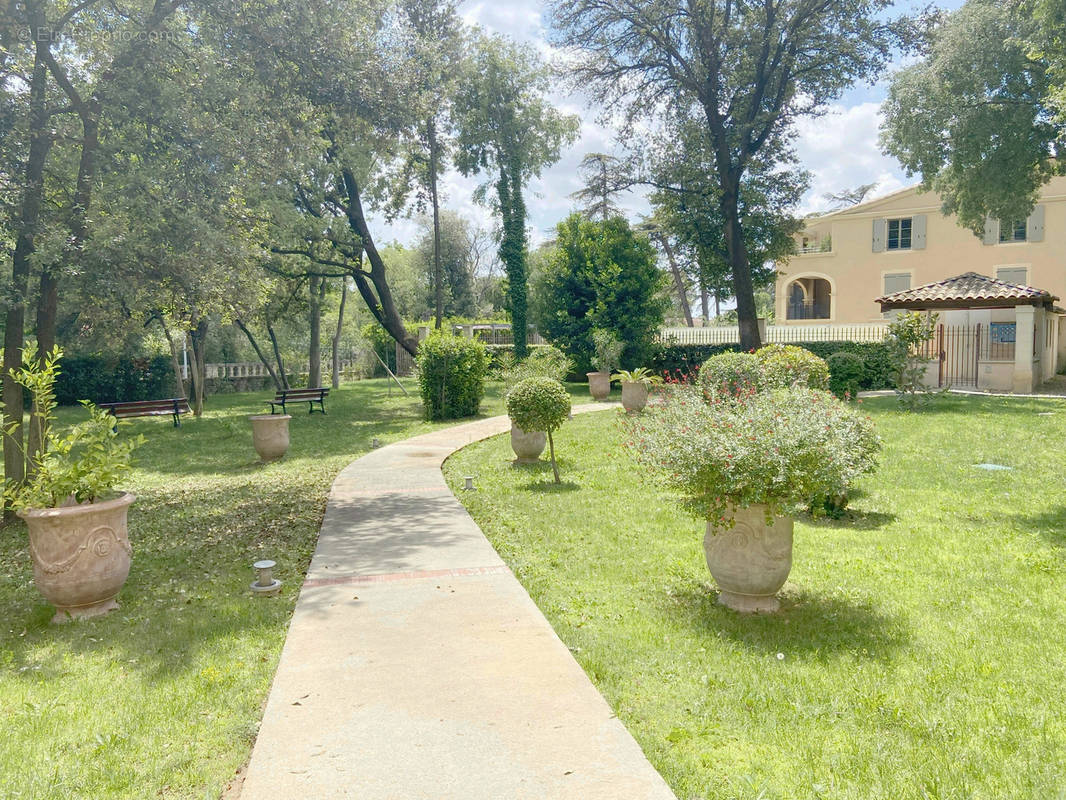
<point>309,396</point>
<point>175,407</point>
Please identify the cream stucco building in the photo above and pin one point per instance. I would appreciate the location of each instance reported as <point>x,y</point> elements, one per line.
<point>850,257</point>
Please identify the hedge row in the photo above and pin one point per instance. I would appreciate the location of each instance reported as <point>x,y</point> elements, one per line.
<point>685,359</point>
<point>110,380</point>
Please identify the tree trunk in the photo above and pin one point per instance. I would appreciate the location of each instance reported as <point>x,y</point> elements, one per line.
<point>47,308</point>
<point>175,362</point>
<point>198,370</point>
<point>277,356</point>
<point>438,272</point>
<point>373,286</point>
<point>337,336</point>
<point>259,352</point>
<point>705,302</point>
<point>738,260</point>
<point>679,280</point>
<point>316,288</point>
<point>25,241</point>
<point>513,250</point>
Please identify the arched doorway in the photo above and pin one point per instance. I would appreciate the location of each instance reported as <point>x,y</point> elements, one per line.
<point>810,298</point>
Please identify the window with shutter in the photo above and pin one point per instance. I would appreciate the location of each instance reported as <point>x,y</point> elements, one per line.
<point>897,282</point>
<point>1013,230</point>
<point>899,234</point>
<point>1018,276</point>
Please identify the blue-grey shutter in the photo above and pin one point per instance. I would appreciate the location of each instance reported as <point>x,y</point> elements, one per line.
<point>918,225</point>
<point>880,235</point>
<point>991,231</point>
<point>1035,232</point>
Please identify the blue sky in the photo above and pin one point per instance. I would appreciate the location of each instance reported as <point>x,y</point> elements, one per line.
<point>839,149</point>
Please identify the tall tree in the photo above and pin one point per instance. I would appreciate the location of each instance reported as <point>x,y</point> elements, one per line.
<point>601,174</point>
<point>979,117</point>
<point>600,275</point>
<point>447,246</point>
<point>435,47</point>
<point>747,71</point>
<point>687,201</point>
<point>506,127</point>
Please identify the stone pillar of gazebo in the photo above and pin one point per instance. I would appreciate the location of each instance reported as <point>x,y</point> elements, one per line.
<point>1024,342</point>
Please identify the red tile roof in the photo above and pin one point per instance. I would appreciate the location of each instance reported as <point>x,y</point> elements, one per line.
<point>966,291</point>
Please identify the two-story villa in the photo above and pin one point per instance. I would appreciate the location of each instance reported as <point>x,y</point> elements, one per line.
<point>848,258</point>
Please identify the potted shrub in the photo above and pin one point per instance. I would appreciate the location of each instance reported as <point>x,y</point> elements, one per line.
<point>76,520</point>
<point>606,353</point>
<point>744,466</point>
<point>539,404</point>
<point>544,361</point>
<point>635,387</point>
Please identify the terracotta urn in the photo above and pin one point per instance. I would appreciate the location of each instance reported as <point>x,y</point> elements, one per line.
<point>270,435</point>
<point>599,385</point>
<point>634,395</point>
<point>750,561</point>
<point>81,555</point>
<point>527,446</point>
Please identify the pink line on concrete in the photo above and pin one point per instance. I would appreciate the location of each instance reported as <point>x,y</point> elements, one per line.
<point>405,576</point>
<point>375,492</point>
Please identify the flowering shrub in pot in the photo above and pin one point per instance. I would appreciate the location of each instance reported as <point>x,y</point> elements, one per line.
<point>744,466</point>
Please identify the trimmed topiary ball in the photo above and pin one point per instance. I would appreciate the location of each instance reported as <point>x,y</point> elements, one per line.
<point>451,375</point>
<point>785,365</point>
<point>539,404</point>
<point>846,373</point>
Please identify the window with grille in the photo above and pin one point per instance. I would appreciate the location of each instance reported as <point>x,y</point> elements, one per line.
<point>899,234</point>
<point>1016,230</point>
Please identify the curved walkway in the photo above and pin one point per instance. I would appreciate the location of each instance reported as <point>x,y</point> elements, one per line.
<point>416,666</point>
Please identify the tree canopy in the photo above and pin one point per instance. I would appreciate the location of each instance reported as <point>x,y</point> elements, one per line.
<point>981,116</point>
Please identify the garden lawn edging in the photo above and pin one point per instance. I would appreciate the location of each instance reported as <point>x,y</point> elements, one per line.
<point>416,665</point>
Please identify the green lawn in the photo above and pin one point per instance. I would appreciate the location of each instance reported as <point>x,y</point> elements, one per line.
<point>920,650</point>
<point>163,697</point>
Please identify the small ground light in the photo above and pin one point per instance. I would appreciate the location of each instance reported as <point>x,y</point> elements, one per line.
<point>468,484</point>
<point>375,443</point>
<point>265,582</point>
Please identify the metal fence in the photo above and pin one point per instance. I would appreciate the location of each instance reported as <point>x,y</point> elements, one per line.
<point>779,334</point>
<point>497,333</point>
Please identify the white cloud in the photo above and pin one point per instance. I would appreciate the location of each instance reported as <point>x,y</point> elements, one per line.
<point>841,151</point>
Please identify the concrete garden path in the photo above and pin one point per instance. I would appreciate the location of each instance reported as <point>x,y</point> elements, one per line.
<point>416,666</point>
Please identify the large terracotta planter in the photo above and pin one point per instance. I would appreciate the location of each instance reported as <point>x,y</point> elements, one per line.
<point>599,385</point>
<point>527,446</point>
<point>634,395</point>
<point>81,555</point>
<point>270,435</point>
<point>750,562</point>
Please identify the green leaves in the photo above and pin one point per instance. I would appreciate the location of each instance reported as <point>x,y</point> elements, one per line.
<point>451,375</point>
<point>778,448</point>
<point>976,117</point>
<point>82,465</point>
<point>538,404</point>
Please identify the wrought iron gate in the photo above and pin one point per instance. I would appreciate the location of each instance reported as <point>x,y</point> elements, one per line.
<point>959,349</point>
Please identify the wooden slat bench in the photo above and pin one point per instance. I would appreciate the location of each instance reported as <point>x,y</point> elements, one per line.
<point>309,396</point>
<point>175,407</point>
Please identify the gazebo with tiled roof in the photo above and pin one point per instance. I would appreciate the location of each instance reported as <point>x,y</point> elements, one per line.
<point>1012,350</point>
<point>968,290</point>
